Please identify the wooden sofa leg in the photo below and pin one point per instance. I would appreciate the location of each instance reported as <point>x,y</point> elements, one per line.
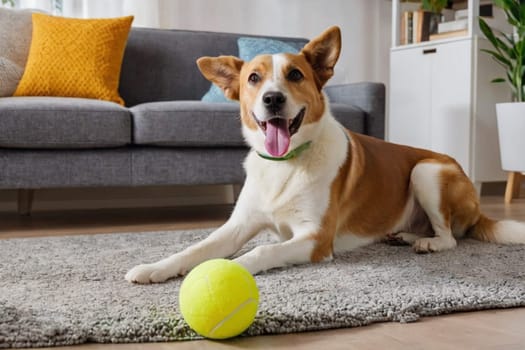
<point>513,186</point>
<point>25,201</point>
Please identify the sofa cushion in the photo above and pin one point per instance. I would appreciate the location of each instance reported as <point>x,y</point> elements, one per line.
<point>59,122</point>
<point>49,168</point>
<point>154,166</point>
<point>15,39</point>
<point>187,123</point>
<point>73,57</point>
<point>200,124</point>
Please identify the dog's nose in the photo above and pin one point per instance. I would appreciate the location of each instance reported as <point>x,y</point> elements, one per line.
<point>274,101</point>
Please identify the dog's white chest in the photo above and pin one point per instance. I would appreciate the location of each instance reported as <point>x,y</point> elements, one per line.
<point>293,196</point>
<point>278,183</point>
<point>286,198</point>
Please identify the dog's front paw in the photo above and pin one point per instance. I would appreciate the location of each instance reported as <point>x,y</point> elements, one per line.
<point>148,273</point>
<point>433,244</point>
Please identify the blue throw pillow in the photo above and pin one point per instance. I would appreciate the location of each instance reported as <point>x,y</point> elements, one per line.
<point>215,95</point>
<point>251,47</point>
<point>248,49</point>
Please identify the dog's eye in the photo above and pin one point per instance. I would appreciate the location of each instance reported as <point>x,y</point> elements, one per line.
<point>295,75</point>
<point>254,78</point>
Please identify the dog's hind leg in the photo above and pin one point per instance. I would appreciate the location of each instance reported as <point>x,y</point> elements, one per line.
<point>429,186</point>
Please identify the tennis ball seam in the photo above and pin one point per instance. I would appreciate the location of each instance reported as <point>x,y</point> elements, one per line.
<point>230,315</point>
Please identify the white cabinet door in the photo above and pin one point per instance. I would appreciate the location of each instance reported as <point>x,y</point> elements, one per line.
<point>410,94</point>
<point>451,101</point>
<point>430,99</point>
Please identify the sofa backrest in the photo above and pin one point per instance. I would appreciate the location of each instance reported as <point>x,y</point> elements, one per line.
<point>159,64</point>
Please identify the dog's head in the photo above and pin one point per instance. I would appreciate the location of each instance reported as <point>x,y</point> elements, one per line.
<point>280,95</point>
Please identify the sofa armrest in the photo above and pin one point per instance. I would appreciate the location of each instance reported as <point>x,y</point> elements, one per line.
<point>370,97</point>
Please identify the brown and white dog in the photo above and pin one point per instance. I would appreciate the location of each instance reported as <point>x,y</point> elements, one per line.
<point>319,187</point>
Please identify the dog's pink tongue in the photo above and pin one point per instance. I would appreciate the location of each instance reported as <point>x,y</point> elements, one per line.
<point>277,137</point>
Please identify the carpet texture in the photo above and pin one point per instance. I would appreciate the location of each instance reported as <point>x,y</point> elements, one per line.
<point>71,290</point>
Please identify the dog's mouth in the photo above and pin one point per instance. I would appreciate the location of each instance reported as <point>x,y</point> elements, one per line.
<point>278,132</point>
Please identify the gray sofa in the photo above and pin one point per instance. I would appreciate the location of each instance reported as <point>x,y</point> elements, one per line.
<point>164,136</point>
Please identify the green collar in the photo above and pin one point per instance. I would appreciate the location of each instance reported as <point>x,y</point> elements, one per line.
<point>292,154</point>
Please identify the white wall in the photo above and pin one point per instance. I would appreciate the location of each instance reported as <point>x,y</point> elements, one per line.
<point>365,26</point>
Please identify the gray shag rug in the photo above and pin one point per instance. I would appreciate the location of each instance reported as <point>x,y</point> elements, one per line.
<point>71,290</point>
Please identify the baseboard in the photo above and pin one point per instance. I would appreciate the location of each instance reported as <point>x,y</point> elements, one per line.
<point>102,198</point>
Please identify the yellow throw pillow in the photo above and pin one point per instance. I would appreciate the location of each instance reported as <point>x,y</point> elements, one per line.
<point>72,57</point>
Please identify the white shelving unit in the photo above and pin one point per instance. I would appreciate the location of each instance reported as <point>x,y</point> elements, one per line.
<point>441,98</point>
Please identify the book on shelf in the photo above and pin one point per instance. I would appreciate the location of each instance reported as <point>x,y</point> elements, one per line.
<point>417,26</point>
<point>452,26</point>
<point>405,35</point>
<point>451,34</point>
<point>424,23</point>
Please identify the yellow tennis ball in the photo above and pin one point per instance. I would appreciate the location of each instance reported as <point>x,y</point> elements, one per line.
<point>219,299</point>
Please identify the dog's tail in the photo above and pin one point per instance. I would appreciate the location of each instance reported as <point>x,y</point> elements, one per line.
<point>504,232</point>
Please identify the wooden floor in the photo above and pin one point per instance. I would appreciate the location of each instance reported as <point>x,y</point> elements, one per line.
<point>494,329</point>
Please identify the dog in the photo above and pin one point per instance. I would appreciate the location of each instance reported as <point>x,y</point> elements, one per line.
<point>319,187</point>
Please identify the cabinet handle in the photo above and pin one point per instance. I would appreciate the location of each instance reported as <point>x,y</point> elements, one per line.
<point>428,51</point>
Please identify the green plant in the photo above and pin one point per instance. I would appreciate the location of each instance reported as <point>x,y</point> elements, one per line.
<point>435,6</point>
<point>509,48</point>
<point>10,2</point>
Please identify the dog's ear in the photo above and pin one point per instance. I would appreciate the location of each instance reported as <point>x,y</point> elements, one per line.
<point>322,54</point>
<point>224,72</point>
